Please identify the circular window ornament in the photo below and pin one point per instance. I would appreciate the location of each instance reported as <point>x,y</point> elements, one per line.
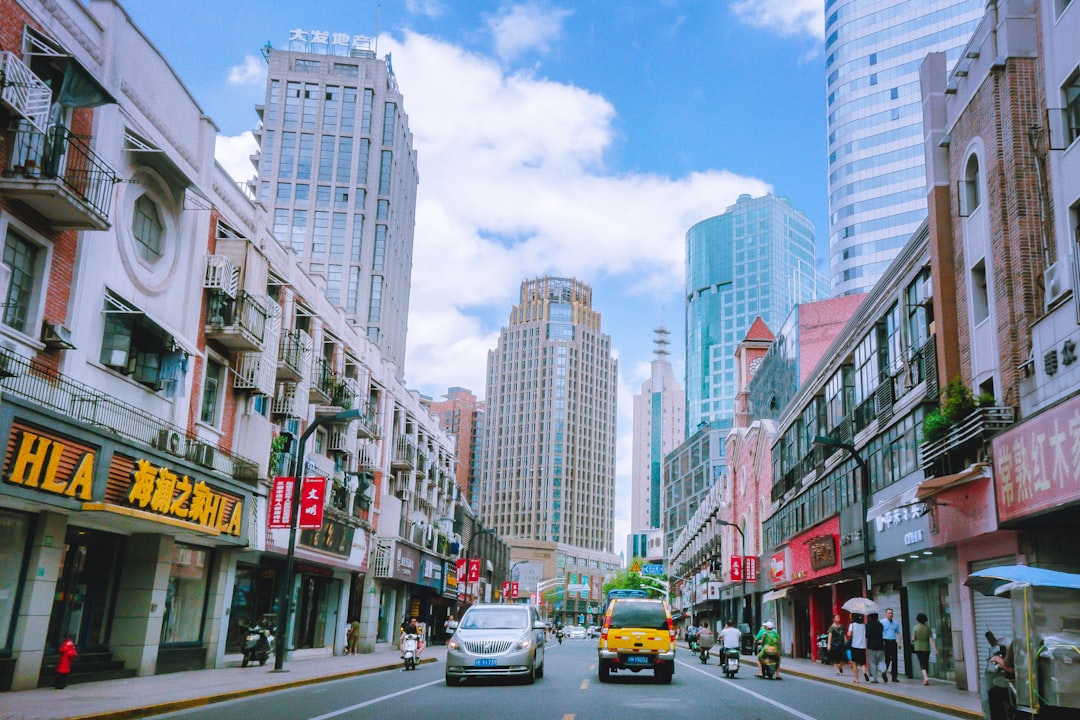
<point>147,231</point>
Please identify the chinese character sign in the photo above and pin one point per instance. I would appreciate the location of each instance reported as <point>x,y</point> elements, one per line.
<point>312,495</point>
<point>474,570</point>
<point>280,503</point>
<point>506,588</point>
<point>736,568</point>
<point>514,590</point>
<point>750,568</point>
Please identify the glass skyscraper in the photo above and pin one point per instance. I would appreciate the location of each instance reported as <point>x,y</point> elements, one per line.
<point>757,259</point>
<point>877,184</point>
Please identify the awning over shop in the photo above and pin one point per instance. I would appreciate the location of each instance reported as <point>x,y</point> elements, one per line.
<point>932,486</point>
<point>775,595</point>
<point>907,497</point>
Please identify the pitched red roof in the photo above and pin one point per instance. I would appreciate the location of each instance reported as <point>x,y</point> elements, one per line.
<point>760,331</point>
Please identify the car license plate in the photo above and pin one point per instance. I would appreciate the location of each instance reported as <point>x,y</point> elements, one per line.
<point>485,662</point>
<point>637,659</point>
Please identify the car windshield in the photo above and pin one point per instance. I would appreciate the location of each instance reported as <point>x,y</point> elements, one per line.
<point>495,619</point>
<point>630,614</point>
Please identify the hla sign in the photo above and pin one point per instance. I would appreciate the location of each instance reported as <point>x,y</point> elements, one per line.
<point>37,463</point>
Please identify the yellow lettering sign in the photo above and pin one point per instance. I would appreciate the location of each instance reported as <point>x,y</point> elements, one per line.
<point>162,491</point>
<point>36,464</point>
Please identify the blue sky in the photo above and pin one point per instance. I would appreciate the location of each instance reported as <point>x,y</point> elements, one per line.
<point>568,138</point>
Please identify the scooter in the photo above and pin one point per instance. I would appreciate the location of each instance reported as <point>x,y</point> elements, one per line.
<point>409,650</point>
<point>730,661</point>
<point>770,662</point>
<point>558,635</point>
<point>256,646</point>
<point>998,692</point>
<point>823,647</point>
<point>705,642</point>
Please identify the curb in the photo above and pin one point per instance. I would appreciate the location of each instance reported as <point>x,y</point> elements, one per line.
<point>177,705</point>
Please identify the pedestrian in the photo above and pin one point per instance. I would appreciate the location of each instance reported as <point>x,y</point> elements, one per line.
<point>353,637</point>
<point>449,627</point>
<point>922,642</point>
<point>63,667</point>
<point>890,633</point>
<point>837,647</point>
<point>875,648</point>
<point>856,637</point>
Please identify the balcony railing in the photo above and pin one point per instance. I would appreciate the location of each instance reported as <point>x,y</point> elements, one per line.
<point>221,274</point>
<point>977,427</point>
<point>323,381</point>
<point>23,91</point>
<point>238,324</point>
<point>40,384</point>
<point>404,454</point>
<point>58,175</point>
<point>254,371</point>
<point>286,403</point>
<point>292,352</point>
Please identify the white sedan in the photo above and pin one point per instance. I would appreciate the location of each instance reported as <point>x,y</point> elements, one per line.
<point>575,632</point>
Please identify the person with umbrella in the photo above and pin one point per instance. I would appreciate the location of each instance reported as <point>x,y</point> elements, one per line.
<point>856,633</point>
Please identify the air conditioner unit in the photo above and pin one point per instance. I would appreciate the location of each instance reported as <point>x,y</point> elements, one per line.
<point>203,454</point>
<point>171,441</point>
<point>56,337</point>
<point>1056,281</point>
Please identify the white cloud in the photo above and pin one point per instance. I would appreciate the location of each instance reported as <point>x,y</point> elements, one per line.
<point>519,28</point>
<point>251,72</point>
<point>785,17</point>
<point>430,9</point>
<point>234,154</point>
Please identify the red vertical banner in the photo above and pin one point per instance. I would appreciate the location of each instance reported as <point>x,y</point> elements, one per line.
<point>280,503</point>
<point>736,567</point>
<point>514,590</point>
<point>474,570</point>
<point>463,587</point>
<point>506,588</point>
<point>750,567</point>
<point>312,498</point>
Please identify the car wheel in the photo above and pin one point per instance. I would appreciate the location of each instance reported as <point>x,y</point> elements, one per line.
<point>540,670</point>
<point>451,681</point>
<point>605,672</point>
<point>664,675</point>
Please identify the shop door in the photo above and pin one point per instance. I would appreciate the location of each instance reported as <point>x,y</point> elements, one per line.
<point>85,589</point>
<point>940,622</point>
<point>317,596</point>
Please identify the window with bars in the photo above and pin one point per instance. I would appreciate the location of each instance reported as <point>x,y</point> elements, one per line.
<point>23,258</point>
<point>147,228</point>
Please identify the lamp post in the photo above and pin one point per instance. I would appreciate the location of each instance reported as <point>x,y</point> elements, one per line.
<point>864,485</point>
<point>285,592</point>
<point>746,599</point>
<point>510,574</point>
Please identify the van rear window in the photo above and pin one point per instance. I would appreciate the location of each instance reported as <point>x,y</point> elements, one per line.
<point>628,614</point>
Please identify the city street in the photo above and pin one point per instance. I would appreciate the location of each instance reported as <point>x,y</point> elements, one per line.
<point>569,690</point>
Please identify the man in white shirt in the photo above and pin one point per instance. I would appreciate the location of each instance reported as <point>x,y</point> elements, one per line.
<point>730,637</point>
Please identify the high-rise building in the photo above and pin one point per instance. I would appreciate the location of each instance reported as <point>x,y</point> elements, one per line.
<point>877,184</point>
<point>460,415</point>
<point>757,259</point>
<point>338,174</point>
<point>659,426</point>
<point>549,448</point>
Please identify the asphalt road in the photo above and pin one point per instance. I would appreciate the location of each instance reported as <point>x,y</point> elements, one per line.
<point>569,690</point>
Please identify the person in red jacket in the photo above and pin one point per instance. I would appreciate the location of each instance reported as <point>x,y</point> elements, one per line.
<point>63,668</point>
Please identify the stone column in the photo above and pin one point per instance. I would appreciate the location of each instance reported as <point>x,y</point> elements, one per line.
<point>140,602</point>
<point>219,607</point>
<point>39,592</point>
<point>369,614</point>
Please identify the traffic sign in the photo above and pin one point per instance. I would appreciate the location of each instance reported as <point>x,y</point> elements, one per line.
<point>652,569</point>
<point>636,567</point>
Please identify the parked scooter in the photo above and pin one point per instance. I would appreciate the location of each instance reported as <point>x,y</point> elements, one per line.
<point>998,692</point>
<point>410,649</point>
<point>730,662</point>
<point>823,647</point>
<point>257,644</point>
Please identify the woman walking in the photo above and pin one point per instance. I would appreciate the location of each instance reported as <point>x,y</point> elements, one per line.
<point>856,635</point>
<point>922,642</point>
<point>837,648</point>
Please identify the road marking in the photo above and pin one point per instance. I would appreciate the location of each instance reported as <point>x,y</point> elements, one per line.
<point>585,684</point>
<point>342,711</point>
<point>740,688</point>
<point>568,716</point>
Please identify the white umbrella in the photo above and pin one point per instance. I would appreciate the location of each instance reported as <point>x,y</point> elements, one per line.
<point>860,605</point>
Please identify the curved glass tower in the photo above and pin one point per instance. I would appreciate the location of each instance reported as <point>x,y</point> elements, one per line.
<point>877,184</point>
<point>757,259</point>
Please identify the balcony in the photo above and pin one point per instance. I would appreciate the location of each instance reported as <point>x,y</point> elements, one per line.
<point>404,455</point>
<point>239,324</point>
<point>340,442</point>
<point>254,372</point>
<point>368,426</point>
<point>292,355</point>
<point>323,382</point>
<point>964,440</point>
<point>367,456</point>
<point>23,92</point>
<point>40,384</point>
<point>58,175</point>
<point>286,403</point>
<point>222,275</point>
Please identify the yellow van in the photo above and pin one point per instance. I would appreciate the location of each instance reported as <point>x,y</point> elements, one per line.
<point>637,635</point>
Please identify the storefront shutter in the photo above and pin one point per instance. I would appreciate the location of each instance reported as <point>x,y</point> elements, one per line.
<point>991,613</point>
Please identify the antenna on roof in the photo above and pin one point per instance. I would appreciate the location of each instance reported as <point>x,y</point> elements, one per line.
<point>378,21</point>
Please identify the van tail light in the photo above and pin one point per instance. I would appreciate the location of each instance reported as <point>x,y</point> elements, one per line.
<point>604,630</point>
<point>671,628</point>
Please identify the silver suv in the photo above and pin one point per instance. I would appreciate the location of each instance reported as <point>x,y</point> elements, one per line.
<point>494,640</point>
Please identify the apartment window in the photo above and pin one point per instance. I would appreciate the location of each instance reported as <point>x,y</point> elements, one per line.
<point>311,106</point>
<point>389,120</point>
<point>292,104</point>
<point>133,345</point>
<point>326,158</point>
<point>382,210</point>
<point>1072,104</point>
<point>375,305</point>
<point>348,110</point>
<point>980,299</point>
<point>970,190</point>
<point>866,374</point>
<point>284,192</point>
<point>306,66</point>
<point>331,108</point>
<point>212,387</point>
<point>384,172</point>
<point>305,156</point>
<point>346,70</point>
<point>358,237</point>
<point>344,161</point>
<point>24,259</point>
<point>365,117</point>
<point>147,228</point>
<point>362,166</point>
<point>379,252</point>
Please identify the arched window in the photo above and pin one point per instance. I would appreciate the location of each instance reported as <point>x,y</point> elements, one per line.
<point>971,185</point>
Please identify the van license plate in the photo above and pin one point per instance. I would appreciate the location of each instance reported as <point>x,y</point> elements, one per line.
<point>485,662</point>
<point>637,659</point>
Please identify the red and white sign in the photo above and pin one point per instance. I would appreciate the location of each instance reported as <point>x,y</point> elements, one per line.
<point>461,571</point>
<point>514,590</point>
<point>280,503</point>
<point>312,498</point>
<point>474,570</point>
<point>736,567</point>
<point>750,568</point>
<point>506,588</point>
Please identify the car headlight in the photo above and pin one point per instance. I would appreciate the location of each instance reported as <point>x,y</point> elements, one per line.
<point>453,645</point>
<point>524,643</point>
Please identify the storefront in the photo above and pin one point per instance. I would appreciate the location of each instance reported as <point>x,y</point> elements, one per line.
<point>96,520</point>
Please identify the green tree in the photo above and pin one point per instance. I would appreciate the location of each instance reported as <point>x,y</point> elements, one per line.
<point>629,580</point>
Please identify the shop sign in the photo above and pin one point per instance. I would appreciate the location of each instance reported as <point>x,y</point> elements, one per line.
<point>474,570</point>
<point>332,537</point>
<point>431,572</point>
<point>406,563</point>
<point>49,463</point>
<point>750,568</point>
<point>279,516</point>
<point>714,591</point>
<point>822,552</point>
<point>312,499</point>
<point>451,576</point>
<point>778,567</point>
<point>736,568</point>
<point>851,533</point>
<point>156,489</point>
<point>1037,463</point>
<point>902,530</point>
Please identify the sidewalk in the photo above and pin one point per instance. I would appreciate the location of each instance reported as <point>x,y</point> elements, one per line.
<point>938,695</point>
<point>154,694</point>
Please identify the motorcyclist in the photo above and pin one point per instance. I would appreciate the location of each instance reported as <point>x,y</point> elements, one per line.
<point>691,636</point>
<point>765,637</point>
<point>730,637</point>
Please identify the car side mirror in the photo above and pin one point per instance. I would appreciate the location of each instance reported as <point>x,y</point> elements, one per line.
<point>539,625</point>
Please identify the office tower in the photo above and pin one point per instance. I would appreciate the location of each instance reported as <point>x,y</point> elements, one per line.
<point>757,259</point>
<point>877,184</point>
<point>338,174</point>
<point>549,447</point>
<point>659,426</point>
<point>461,417</point>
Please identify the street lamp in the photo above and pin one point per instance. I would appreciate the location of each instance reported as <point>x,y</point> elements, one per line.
<point>746,599</point>
<point>510,574</point>
<point>285,592</point>
<point>864,484</point>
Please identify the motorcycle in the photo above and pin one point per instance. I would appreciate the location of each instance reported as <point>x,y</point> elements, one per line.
<point>999,694</point>
<point>823,647</point>
<point>559,635</point>
<point>705,642</point>
<point>730,661</point>
<point>770,662</point>
<point>410,648</point>
<point>256,645</point>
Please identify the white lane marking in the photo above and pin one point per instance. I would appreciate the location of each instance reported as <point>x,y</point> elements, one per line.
<point>774,703</point>
<point>342,711</point>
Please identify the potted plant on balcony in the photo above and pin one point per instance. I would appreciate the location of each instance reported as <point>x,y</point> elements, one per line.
<point>956,404</point>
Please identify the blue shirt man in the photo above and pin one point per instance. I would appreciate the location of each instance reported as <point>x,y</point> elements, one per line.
<point>890,633</point>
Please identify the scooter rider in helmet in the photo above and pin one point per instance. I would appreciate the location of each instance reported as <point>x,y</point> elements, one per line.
<point>767,635</point>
